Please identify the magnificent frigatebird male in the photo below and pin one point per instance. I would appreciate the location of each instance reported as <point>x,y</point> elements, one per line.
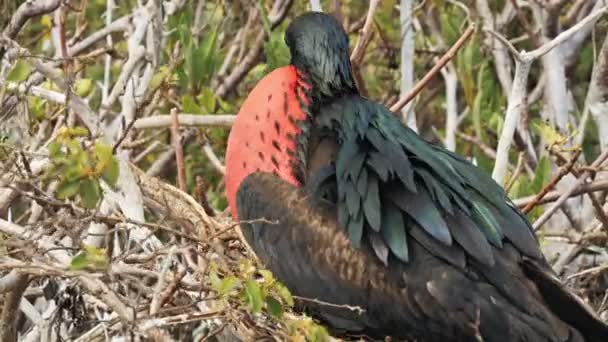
<point>361,212</point>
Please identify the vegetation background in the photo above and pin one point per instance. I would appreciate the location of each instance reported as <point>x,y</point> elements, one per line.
<point>114,116</point>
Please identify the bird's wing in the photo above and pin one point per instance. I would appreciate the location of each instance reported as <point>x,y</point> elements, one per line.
<point>299,239</point>
<point>301,243</point>
<point>393,186</point>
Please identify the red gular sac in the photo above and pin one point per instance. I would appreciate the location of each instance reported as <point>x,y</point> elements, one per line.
<point>263,137</point>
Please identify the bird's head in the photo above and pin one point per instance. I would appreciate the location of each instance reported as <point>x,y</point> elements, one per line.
<point>319,48</point>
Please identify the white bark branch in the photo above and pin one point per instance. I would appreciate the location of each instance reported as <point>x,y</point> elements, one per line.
<point>597,96</point>
<point>451,87</point>
<point>164,121</point>
<point>518,91</point>
<point>516,103</point>
<point>315,6</point>
<point>407,62</point>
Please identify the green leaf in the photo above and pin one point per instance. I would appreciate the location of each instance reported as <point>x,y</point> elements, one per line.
<point>19,72</point>
<point>67,189</point>
<point>267,275</point>
<point>103,152</point>
<point>206,56</point>
<point>78,131</point>
<point>254,295</point>
<point>89,192</point>
<point>274,307</point>
<point>71,172</point>
<point>190,106</point>
<point>227,285</point>
<point>97,256</point>
<point>317,333</point>
<point>111,171</point>
<point>83,86</point>
<point>79,262</point>
<point>549,134</point>
<point>284,294</point>
<point>159,77</point>
<point>90,257</point>
<point>36,107</point>
<point>541,174</point>
<point>55,150</point>
<point>207,99</point>
<point>215,280</point>
<point>276,51</point>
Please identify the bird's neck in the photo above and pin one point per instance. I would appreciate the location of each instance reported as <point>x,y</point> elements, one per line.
<point>328,78</point>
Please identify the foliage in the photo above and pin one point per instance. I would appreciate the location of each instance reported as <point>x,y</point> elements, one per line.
<point>79,169</point>
<point>258,291</point>
<point>90,258</point>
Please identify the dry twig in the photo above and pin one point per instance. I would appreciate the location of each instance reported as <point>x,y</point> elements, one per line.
<point>429,75</point>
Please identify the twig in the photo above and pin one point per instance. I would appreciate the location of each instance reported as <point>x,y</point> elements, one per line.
<point>135,57</point>
<point>564,36</point>
<point>163,121</point>
<point>201,190</point>
<point>566,194</point>
<point>440,64</point>
<point>599,211</point>
<point>118,25</point>
<point>9,282</point>
<point>179,150</point>
<point>10,310</point>
<point>514,108</point>
<point>517,95</point>
<point>77,104</point>
<point>487,150</point>
<point>521,158</point>
<point>213,159</point>
<point>172,287</point>
<point>407,56</point>
<point>278,13</point>
<point>359,49</point>
<point>601,185</point>
<point>315,6</point>
<point>123,136</point>
<point>156,302</point>
<point>108,60</point>
<point>564,170</point>
<point>354,308</point>
<point>93,285</point>
<point>596,269</point>
<point>27,10</point>
<point>502,62</point>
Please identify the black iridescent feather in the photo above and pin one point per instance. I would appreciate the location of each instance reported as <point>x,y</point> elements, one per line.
<point>387,175</point>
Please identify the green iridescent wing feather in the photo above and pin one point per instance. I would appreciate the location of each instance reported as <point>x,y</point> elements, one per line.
<point>392,185</point>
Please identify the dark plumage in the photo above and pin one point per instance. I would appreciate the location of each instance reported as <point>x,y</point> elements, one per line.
<point>371,215</point>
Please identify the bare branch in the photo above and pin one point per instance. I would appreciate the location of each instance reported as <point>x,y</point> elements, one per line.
<point>315,6</point>
<point>164,121</point>
<point>10,310</point>
<point>566,194</point>
<point>407,61</point>
<point>516,103</point>
<point>27,10</point>
<point>359,50</point>
<point>179,151</point>
<point>440,64</point>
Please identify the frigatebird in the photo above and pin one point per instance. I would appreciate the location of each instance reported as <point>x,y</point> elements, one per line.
<point>361,212</point>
